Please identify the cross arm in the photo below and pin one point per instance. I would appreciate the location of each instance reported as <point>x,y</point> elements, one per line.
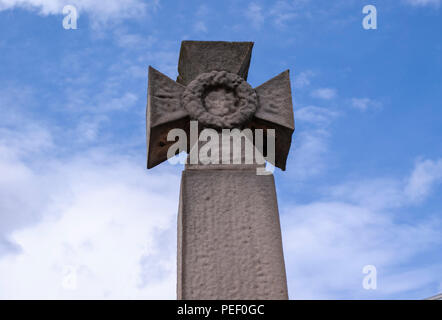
<point>275,111</point>
<point>164,112</point>
<point>197,57</point>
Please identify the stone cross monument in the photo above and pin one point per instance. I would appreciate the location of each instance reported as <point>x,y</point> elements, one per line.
<point>229,235</point>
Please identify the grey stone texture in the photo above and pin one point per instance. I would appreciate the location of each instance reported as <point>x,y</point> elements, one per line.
<point>165,109</point>
<point>220,99</point>
<point>164,112</point>
<point>229,235</point>
<point>198,57</point>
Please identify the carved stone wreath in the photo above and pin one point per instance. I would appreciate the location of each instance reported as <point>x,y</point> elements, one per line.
<point>220,99</point>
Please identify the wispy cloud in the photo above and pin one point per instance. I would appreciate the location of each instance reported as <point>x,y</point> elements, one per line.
<point>424,3</point>
<point>303,79</point>
<point>22,196</point>
<point>283,11</point>
<point>327,242</point>
<point>426,174</point>
<point>200,26</point>
<point>324,93</point>
<point>132,40</point>
<point>201,16</point>
<point>254,14</point>
<point>315,115</point>
<point>392,193</point>
<point>369,192</point>
<point>98,9</point>
<point>310,148</point>
<point>99,215</point>
<point>363,104</point>
<point>279,13</point>
<point>85,203</point>
<point>311,145</point>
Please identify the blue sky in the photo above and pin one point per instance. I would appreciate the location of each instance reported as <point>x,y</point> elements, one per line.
<point>362,185</point>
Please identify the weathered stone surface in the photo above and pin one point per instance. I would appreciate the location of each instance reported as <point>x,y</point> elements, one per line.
<point>275,101</point>
<point>229,237</point>
<point>275,111</point>
<point>237,160</point>
<point>164,112</point>
<point>197,57</point>
<point>283,140</point>
<point>217,99</point>
<point>220,99</point>
<point>157,144</point>
<point>164,99</point>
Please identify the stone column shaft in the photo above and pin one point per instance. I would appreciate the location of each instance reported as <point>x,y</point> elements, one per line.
<point>229,236</point>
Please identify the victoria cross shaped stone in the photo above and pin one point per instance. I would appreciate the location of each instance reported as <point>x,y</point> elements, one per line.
<point>229,236</point>
<point>212,88</point>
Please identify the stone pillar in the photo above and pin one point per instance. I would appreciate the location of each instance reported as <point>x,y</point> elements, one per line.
<point>229,235</point>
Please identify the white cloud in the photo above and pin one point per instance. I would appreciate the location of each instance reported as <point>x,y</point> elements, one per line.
<point>203,10</point>
<point>104,89</point>
<point>98,213</point>
<point>95,211</point>
<point>88,128</point>
<point>310,146</point>
<point>132,40</point>
<point>255,15</point>
<point>326,245</point>
<point>21,196</point>
<point>423,3</point>
<point>303,79</point>
<point>120,103</point>
<point>109,99</point>
<point>327,242</point>
<point>200,26</point>
<point>283,11</point>
<point>309,154</point>
<point>279,13</point>
<point>30,139</point>
<point>381,193</point>
<point>426,174</point>
<point>364,104</point>
<point>201,15</point>
<point>315,115</point>
<point>98,9</point>
<point>375,193</point>
<point>324,93</point>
